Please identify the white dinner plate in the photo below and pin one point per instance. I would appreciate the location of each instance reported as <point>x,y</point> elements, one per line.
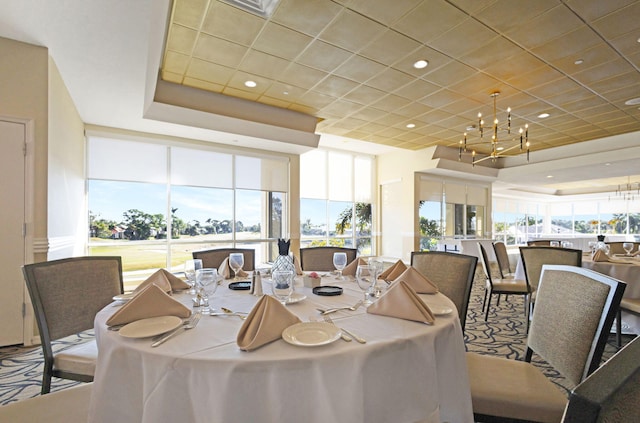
<point>150,327</point>
<point>311,334</point>
<point>440,311</point>
<point>124,297</point>
<point>296,298</point>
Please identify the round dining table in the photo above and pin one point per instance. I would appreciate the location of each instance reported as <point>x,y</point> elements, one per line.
<point>406,371</point>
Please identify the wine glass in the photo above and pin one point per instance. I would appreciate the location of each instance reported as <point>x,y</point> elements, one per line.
<point>376,265</point>
<point>207,280</point>
<point>627,246</point>
<point>190,267</point>
<point>365,279</point>
<point>282,285</point>
<point>340,262</point>
<point>236,261</point>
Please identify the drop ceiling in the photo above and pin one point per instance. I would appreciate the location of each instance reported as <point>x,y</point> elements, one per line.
<point>349,63</point>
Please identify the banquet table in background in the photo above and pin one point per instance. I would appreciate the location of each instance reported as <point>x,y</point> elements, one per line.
<point>406,372</point>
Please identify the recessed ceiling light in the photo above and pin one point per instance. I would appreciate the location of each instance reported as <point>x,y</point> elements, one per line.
<point>420,64</point>
<point>549,176</point>
<point>285,92</point>
<point>632,102</point>
<point>543,115</point>
<point>607,164</point>
<point>500,148</point>
<point>578,62</point>
<point>411,125</point>
<point>250,84</point>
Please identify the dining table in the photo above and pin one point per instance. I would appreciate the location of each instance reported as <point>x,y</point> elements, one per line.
<point>625,269</point>
<point>406,371</point>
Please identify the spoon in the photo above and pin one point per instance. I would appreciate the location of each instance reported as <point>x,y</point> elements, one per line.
<point>333,310</point>
<point>231,312</point>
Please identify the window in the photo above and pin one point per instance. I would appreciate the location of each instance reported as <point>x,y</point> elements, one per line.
<point>335,200</point>
<point>154,204</point>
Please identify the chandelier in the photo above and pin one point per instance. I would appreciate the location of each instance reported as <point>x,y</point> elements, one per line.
<point>627,192</point>
<point>501,142</point>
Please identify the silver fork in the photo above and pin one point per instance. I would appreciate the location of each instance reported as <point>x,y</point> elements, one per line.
<point>189,324</point>
<point>351,334</point>
<point>342,334</point>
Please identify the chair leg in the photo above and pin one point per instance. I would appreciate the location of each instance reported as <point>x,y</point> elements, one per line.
<point>527,311</point>
<point>46,381</point>
<point>486,315</point>
<point>619,328</point>
<point>484,301</point>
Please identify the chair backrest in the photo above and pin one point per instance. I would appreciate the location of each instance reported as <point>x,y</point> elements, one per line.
<point>502,257</point>
<point>574,310</point>
<point>321,258</point>
<point>214,258</point>
<point>533,258</point>
<point>611,392</point>
<point>616,247</point>
<point>68,293</point>
<point>540,243</point>
<point>452,273</point>
<point>486,265</point>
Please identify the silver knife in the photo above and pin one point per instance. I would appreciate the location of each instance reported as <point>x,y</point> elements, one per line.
<point>354,336</point>
<point>189,325</point>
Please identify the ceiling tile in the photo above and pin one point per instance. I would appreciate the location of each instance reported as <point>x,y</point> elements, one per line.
<point>323,56</point>
<point>365,95</point>
<point>385,12</point>
<point>429,20</point>
<point>591,10</point>
<point>210,72</point>
<point>309,17</point>
<point>232,24</point>
<point>567,45</point>
<point>358,68</point>
<point>203,85</point>
<point>335,86</point>
<point>450,73</point>
<point>417,89</point>
<point>301,76</point>
<point>189,13</point>
<point>233,92</point>
<point>265,65</point>
<point>239,78</point>
<point>389,80</point>
<point>552,24</point>
<point>176,62</point>
<point>181,39</point>
<point>390,103</point>
<point>620,22</point>
<point>219,51</point>
<point>285,92</point>
<point>505,15</point>
<point>351,31</point>
<point>280,41</point>
<point>390,47</point>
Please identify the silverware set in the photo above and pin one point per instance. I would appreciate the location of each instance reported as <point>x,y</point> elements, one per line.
<point>346,335</point>
<point>333,310</point>
<point>189,324</point>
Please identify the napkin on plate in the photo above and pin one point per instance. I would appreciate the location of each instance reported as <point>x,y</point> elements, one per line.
<point>226,272</point>
<point>351,268</point>
<point>152,301</point>
<point>403,302</point>
<point>165,280</point>
<point>416,280</point>
<point>264,324</point>
<point>394,271</point>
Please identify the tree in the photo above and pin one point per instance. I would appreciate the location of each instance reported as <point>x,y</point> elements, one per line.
<point>141,225</point>
<point>100,228</point>
<point>363,219</point>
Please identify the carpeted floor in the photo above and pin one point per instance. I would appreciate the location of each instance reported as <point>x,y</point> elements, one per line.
<point>504,334</point>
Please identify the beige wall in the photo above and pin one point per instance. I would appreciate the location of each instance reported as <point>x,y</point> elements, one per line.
<point>24,84</point>
<point>67,217</point>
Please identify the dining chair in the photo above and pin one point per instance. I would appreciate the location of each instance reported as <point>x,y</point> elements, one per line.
<point>569,329</point>
<point>453,274</point>
<point>616,247</point>
<point>540,243</point>
<point>502,258</point>
<point>69,405</point>
<point>533,258</point>
<point>66,295</point>
<point>321,258</point>
<point>611,393</point>
<point>502,286</point>
<point>630,305</point>
<point>213,258</point>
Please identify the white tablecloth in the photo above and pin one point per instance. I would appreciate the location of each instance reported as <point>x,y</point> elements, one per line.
<point>629,273</point>
<point>406,372</point>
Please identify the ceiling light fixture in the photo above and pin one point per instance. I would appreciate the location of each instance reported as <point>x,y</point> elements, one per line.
<point>411,125</point>
<point>628,192</point>
<point>500,145</point>
<point>250,84</point>
<point>543,115</point>
<point>420,64</point>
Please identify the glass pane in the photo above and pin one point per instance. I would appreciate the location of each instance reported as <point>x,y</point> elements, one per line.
<point>430,224</point>
<point>250,214</point>
<point>193,167</point>
<point>126,160</point>
<point>475,221</point>
<point>139,260</point>
<point>132,211</point>
<point>202,214</point>
<point>364,246</point>
<point>340,218</point>
<point>277,226</point>
<point>363,219</point>
<point>313,217</point>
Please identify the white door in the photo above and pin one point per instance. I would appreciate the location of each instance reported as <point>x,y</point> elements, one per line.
<point>12,218</point>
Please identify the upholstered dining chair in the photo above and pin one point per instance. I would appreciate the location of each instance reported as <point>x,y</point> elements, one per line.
<point>540,242</point>
<point>502,257</point>
<point>502,286</point>
<point>69,405</point>
<point>630,305</point>
<point>453,274</point>
<point>66,295</point>
<point>611,393</point>
<point>569,329</point>
<point>213,258</point>
<point>616,247</point>
<point>533,258</point>
<point>321,258</point>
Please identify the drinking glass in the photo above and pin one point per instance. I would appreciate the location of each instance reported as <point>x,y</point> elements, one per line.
<point>207,280</point>
<point>340,262</point>
<point>628,246</point>
<point>567,244</point>
<point>554,244</point>
<point>365,279</point>
<point>236,261</point>
<point>282,285</point>
<point>190,267</point>
<point>592,246</point>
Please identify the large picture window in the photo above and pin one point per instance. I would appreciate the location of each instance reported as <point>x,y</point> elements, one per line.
<point>154,204</point>
<point>336,200</point>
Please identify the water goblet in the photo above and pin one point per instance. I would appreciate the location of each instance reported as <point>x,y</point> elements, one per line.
<point>627,246</point>
<point>376,266</point>
<point>236,261</point>
<point>282,285</point>
<point>207,281</point>
<point>554,244</point>
<point>340,262</point>
<point>592,246</point>
<point>365,279</point>
<point>190,267</point>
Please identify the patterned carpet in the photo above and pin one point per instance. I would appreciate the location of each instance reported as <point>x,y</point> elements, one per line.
<point>503,335</point>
